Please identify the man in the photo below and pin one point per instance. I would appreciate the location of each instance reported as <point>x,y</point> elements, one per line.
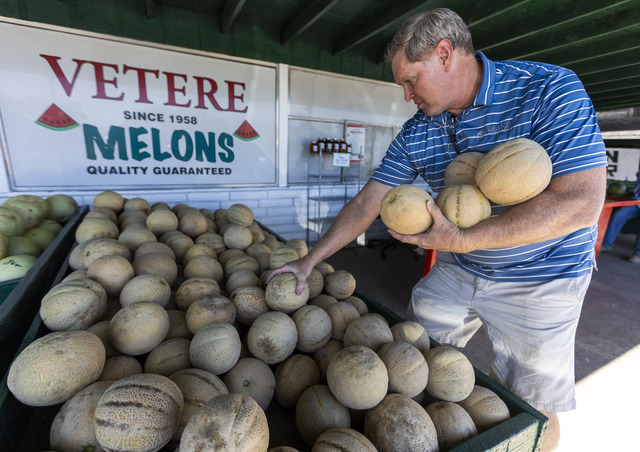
<point>522,273</point>
<point>618,220</point>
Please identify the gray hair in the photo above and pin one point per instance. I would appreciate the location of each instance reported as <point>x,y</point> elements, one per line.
<point>421,33</point>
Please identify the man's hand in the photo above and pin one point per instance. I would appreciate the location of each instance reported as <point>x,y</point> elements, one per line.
<point>301,268</point>
<point>442,235</point>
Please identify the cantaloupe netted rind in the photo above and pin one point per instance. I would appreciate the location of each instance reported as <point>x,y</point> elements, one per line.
<point>357,377</point>
<point>514,171</point>
<point>400,423</point>
<point>54,367</point>
<point>463,205</point>
<point>339,439</point>
<point>485,407</point>
<point>453,424</point>
<point>462,169</point>
<point>403,209</point>
<point>318,410</point>
<point>451,374</point>
<point>138,413</point>
<point>229,422</point>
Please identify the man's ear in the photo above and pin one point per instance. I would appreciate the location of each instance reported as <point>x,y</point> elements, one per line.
<point>444,51</point>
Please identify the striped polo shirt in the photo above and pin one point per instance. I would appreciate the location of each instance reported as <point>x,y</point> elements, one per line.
<point>517,99</point>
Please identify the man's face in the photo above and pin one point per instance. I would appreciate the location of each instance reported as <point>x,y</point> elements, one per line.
<point>424,83</point>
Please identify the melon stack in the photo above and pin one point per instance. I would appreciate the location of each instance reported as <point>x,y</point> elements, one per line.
<point>510,173</point>
<point>167,328</point>
<point>28,225</point>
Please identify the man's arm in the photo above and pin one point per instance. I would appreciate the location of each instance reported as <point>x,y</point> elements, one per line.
<point>352,220</point>
<point>569,203</point>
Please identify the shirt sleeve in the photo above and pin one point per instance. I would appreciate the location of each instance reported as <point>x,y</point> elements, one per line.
<point>566,125</point>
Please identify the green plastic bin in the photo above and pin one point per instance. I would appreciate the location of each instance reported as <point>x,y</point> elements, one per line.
<point>22,301</point>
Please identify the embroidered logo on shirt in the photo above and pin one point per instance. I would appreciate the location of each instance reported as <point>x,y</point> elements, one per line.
<point>495,129</point>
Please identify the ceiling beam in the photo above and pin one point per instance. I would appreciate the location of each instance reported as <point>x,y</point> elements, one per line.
<point>229,14</point>
<point>614,59</point>
<point>612,74</point>
<point>374,26</point>
<point>315,10</point>
<point>570,28</point>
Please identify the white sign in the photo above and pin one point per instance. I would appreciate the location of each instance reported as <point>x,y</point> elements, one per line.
<point>355,135</point>
<point>341,159</point>
<point>84,112</point>
<point>624,163</point>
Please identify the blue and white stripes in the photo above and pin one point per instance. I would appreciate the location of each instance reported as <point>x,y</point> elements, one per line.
<point>516,99</point>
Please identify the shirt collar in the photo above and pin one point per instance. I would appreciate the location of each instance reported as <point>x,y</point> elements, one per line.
<point>487,87</point>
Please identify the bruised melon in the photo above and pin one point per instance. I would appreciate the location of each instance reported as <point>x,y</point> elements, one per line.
<point>514,171</point>
<point>403,209</point>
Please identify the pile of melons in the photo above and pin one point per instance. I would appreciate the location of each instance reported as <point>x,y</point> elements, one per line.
<point>28,225</point>
<point>165,334</point>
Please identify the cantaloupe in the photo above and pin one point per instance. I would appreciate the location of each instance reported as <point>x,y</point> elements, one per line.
<point>282,255</point>
<point>110,199</point>
<point>281,295</point>
<point>272,337</point>
<point>406,366</point>
<point>514,171</point>
<point>138,413</point>
<point>453,424</point>
<point>120,366</point>
<point>250,303</point>
<point>341,314</point>
<point>194,288</point>
<point>339,439</point>
<point>462,169</point>
<point>228,422</point>
<point>11,221</point>
<point>412,333</point>
<point>323,356</point>
<point>240,214</point>
<point>463,205</point>
<point>315,281</point>
<point>403,209</point>
<point>322,300</point>
<point>293,376</point>
<point>400,423</point>
<point>485,407</point>
<point>240,262</point>
<point>112,272</point>
<point>91,228</point>
<point>237,236</point>
<point>242,278</point>
<point>137,203</point>
<point>369,330</point>
<point>101,329</point>
<point>158,264</point>
<point>138,328</point>
<point>317,411</point>
<point>340,284</point>
<point>146,288</point>
<point>254,378</point>
<point>314,328</point>
<point>197,387</point>
<point>203,266</point>
<point>192,223</point>
<point>357,377</point>
<point>102,246</point>
<point>56,366</point>
<point>169,357</point>
<point>451,374</point>
<point>210,309</point>
<point>161,221</point>
<point>215,348</point>
<point>199,249</point>
<point>73,426</point>
<point>73,305</point>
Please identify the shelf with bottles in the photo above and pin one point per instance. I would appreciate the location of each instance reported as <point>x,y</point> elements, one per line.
<point>329,146</point>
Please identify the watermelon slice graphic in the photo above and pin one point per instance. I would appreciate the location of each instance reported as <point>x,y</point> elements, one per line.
<point>246,132</point>
<point>56,119</point>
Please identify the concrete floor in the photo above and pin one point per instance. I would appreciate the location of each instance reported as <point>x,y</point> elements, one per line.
<point>607,342</point>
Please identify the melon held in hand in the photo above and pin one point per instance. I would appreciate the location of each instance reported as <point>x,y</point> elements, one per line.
<point>514,171</point>
<point>403,209</point>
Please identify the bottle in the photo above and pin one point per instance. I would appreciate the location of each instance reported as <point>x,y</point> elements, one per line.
<point>313,147</point>
<point>322,146</point>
